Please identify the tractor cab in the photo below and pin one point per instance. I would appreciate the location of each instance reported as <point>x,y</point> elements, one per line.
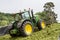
<point>24,15</point>
<point>27,15</point>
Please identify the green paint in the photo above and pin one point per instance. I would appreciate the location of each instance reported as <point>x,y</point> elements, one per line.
<point>37,18</point>
<point>14,31</point>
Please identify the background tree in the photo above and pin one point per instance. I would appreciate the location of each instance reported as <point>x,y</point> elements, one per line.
<point>48,14</point>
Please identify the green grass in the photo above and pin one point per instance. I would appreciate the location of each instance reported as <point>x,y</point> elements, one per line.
<point>49,33</point>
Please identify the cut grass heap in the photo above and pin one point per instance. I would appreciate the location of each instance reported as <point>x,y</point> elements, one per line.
<point>49,33</point>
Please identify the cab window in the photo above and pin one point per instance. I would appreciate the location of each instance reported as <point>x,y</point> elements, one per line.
<point>25,15</point>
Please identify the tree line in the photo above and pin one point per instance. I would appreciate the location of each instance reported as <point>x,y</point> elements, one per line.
<point>47,14</point>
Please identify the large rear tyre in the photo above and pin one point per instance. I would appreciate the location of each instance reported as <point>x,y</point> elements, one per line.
<point>41,24</point>
<point>26,28</point>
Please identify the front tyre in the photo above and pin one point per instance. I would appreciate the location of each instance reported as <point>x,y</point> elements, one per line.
<point>26,28</point>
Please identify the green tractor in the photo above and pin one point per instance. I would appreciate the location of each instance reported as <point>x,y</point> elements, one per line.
<point>25,26</point>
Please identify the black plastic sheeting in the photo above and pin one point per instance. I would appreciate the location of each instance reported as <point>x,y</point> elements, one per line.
<point>3,31</point>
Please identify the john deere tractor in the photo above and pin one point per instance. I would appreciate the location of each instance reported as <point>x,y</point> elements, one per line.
<point>25,26</point>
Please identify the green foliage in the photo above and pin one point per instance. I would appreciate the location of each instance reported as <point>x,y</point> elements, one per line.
<point>47,14</point>
<point>5,19</point>
<point>4,23</point>
<point>41,14</point>
<point>49,4</point>
<point>49,33</point>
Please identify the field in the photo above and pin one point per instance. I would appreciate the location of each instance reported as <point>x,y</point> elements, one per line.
<point>49,33</point>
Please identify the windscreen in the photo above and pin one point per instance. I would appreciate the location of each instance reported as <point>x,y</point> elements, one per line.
<point>25,15</point>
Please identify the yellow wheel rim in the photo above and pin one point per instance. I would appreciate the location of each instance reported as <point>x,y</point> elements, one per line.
<point>43,24</point>
<point>28,29</point>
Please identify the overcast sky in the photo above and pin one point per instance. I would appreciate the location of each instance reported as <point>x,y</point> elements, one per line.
<point>12,6</point>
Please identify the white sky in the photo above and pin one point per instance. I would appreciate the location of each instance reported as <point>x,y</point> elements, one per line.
<point>12,6</point>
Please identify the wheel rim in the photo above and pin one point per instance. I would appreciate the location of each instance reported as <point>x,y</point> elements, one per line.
<point>43,24</point>
<point>28,29</point>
